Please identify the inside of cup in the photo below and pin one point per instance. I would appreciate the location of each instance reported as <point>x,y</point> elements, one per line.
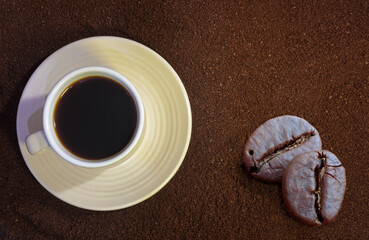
<point>62,87</point>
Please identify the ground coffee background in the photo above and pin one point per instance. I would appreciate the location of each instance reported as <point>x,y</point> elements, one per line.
<point>242,63</point>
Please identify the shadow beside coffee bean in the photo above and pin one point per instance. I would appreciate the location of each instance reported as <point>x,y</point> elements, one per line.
<point>288,149</point>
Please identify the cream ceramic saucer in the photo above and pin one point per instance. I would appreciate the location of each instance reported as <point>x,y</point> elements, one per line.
<point>153,161</point>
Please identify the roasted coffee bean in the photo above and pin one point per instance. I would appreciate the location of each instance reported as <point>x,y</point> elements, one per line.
<point>275,143</point>
<point>313,187</point>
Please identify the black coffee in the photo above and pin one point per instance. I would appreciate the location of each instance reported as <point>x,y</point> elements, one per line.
<point>95,118</point>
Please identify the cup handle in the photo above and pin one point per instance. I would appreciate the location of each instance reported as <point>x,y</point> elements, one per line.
<point>36,142</point>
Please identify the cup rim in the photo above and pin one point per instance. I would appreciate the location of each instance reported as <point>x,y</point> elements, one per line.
<point>54,95</point>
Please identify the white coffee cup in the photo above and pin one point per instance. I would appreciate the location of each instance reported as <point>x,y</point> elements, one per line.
<point>38,142</point>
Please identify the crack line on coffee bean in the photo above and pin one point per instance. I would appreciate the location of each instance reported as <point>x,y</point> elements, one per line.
<point>333,166</point>
<point>332,175</point>
<point>280,149</point>
<point>319,174</point>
